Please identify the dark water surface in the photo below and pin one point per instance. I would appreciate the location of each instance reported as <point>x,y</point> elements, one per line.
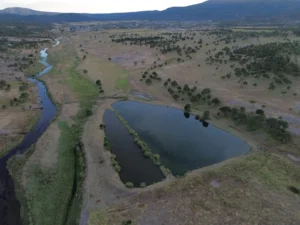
<point>135,167</point>
<point>183,144</point>
<point>9,205</point>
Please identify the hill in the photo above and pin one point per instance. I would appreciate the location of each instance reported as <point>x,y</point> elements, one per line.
<point>24,11</point>
<point>215,10</point>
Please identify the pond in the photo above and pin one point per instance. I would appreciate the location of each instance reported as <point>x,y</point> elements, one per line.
<point>183,144</point>
<point>135,168</point>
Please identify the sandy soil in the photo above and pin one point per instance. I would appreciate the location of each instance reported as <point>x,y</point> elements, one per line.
<point>102,186</point>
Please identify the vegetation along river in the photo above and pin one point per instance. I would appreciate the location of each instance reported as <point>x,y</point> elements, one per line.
<point>9,205</point>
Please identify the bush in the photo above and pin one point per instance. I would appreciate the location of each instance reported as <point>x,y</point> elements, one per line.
<point>88,112</point>
<point>206,115</point>
<point>127,222</point>
<point>117,168</point>
<point>98,82</point>
<point>129,185</point>
<point>143,185</point>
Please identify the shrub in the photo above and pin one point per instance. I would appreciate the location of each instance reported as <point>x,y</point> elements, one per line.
<point>143,185</point>
<point>206,115</point>
<point>129,184</point>
<point>98,82</point>
<point>117,168</point>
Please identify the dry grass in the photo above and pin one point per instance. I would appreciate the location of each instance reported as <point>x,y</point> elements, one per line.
<point>250,190</point>
<point>103,186</point>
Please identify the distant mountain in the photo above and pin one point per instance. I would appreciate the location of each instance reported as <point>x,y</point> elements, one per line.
<point>215,10</point>
<point>24,11</point>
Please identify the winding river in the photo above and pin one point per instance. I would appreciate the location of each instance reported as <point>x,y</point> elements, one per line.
<point>9,205</point>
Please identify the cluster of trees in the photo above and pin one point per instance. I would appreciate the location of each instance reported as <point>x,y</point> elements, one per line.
<point>205,116</point>
<point>193,94</point>
<point>277,128</point>
<point>231,36</point>
<point>148,77</point>
<point>115,163</point>
<point>4,85</point>
<point>271,57</point>
<point>22,99</point>
<point>23,87</point>
<point>99,84</point>
<point>162,43</point>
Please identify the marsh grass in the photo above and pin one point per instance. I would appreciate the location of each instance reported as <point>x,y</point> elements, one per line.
<point>54,194</point>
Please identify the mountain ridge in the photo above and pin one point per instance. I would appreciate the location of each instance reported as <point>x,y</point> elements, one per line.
<point>213,10</point>
<point>24,11</point>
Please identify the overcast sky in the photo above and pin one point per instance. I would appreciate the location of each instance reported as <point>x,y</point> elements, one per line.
<point>96,6</point>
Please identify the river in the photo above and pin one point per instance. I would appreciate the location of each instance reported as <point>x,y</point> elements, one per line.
<point>9,205</point>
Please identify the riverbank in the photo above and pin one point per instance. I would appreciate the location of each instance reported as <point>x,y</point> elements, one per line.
<point>53,176</point>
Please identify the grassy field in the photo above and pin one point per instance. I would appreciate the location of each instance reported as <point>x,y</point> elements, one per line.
<point>239,191</point>
<point>249,190</point>
<point>84,88</point>
<point>260,188</point>
<point>54,193</point>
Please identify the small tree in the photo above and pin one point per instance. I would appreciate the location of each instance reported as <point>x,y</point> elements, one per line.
<point>187,108</point>
<point>216,101</point>
<point>98,82</point>
<point>206,115</point>
<point>260,112</point>
<point>129,184</point>
<point>148,81</point>
<point>252,102</point>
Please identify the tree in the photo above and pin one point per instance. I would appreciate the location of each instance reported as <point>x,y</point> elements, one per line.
<point>85,71</point>
<point>245,83</point>
<point>148,81</point>
<point>98,82</point>
<point>252,102</point>
<point>187,114</point>
<point>8,87</point>
<point>166,84</point>
<point>272,86</point>
<point>206,115</point>
<point>187,108</point>
<point>174,83</point>
<point>216,101</point>
<point>197,117</point>
<point>260,112</point>
<point>176,96</point>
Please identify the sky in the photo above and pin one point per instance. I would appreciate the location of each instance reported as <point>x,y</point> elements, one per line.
<point>96,6</point>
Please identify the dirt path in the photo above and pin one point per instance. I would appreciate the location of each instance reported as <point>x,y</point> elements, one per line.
<point>102,186</point>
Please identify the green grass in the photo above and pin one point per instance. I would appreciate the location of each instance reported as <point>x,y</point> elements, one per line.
<point>49,190</point>
<point>122,83</point>
<point>54,194</point>
<point>84,88</point>
<point>34,69</point>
